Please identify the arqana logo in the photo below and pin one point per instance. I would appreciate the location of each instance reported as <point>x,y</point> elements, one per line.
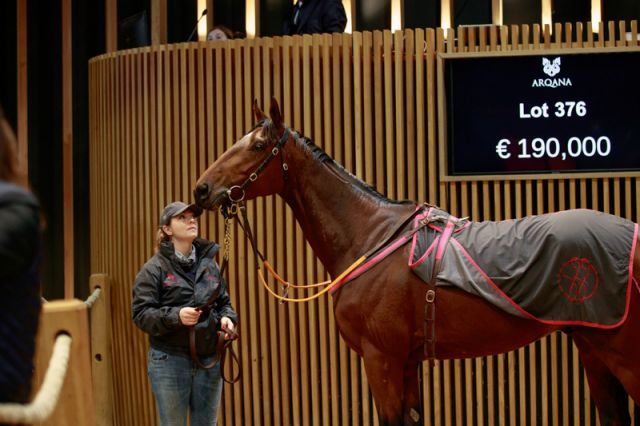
<point>551,68</point>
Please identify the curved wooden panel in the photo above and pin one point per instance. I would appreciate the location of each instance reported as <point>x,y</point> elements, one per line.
<point>160,115</point>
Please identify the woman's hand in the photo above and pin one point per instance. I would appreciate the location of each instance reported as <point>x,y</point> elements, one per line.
<point>228,328</point>
<point>189,316</point>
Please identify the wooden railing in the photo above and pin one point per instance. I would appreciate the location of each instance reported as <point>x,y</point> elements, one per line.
<point>73,378</point>
<point>160,115</point>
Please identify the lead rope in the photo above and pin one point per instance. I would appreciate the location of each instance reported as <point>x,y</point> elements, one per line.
<point>226,249</point>
<point>223,345</point>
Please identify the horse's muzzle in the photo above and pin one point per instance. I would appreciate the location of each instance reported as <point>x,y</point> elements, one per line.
<point>207,199</point>
<point>201,195</point>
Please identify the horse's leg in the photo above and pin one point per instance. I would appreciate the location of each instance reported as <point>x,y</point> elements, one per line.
<point>385,376</point>
<point>607,392</point>
<point>618,349</point>
<point>412,410</point>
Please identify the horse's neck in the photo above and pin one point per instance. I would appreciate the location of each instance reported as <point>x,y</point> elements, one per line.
<point>340,219</point>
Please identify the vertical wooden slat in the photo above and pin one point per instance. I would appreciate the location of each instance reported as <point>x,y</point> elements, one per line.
<point>439,195</point>
<point>378,101</point>
<point>193,110</point>
<point>358,89</point>
<point>67,149</point>
<point>159,22</point>
<point>22,129</point>
<point>399,142</point>
<point>387,62</point>
<point>496,12</point>
<point>430,89</point>
<point>420,115</point>
<point>366,101</point>
<point>111,25</point>
<point>184,117</point>
<point>554,348</point>
<point>409,119</point>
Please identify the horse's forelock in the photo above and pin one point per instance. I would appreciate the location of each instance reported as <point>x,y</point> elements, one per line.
<point>269,130</point>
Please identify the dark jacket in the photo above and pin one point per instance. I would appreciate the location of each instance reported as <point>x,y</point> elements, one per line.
<point>20,254</point>
<point>162,288</point>
<point>317,16</point>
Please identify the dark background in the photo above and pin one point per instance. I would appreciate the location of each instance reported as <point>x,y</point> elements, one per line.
<point>88,32</point>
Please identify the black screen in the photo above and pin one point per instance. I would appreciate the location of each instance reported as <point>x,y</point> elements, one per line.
<point>543,113</point>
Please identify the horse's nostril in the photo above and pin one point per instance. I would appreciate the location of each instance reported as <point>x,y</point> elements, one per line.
<point>201,192</point>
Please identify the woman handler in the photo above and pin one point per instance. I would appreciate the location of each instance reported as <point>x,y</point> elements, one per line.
<point>180,277</point>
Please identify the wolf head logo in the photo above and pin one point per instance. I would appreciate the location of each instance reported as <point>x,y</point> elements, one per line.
<point>551,68</point>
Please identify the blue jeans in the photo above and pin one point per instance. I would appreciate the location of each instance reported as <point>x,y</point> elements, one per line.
<point>180,387</point>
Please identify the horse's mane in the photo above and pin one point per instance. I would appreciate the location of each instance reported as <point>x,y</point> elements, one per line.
<point>321,156</point>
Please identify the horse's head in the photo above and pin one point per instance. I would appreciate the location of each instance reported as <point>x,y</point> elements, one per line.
<point>252,167</point>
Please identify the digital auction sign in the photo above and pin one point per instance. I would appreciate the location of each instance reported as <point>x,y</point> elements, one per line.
<point>546,112</point>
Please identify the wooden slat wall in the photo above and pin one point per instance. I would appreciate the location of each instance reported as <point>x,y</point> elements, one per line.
<point>160,115</point>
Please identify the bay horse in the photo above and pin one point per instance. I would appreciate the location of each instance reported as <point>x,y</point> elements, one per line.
<point>381,313</point>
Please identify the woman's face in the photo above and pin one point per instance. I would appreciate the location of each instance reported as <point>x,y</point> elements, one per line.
<point>183,227</point>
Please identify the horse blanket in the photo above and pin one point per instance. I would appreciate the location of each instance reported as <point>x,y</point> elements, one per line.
<point>568,268</point>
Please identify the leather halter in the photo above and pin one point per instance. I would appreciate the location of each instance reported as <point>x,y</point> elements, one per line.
<point>236,193</point>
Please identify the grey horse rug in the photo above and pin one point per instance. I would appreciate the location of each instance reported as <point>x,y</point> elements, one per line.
<point>569,268</point>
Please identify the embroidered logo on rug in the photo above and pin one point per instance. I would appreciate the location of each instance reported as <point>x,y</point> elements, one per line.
<point>169,281</point>
<point>578,280</point>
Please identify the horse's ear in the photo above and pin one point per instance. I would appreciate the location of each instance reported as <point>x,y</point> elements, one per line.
<point>257,112</point>
<point>276,115</point>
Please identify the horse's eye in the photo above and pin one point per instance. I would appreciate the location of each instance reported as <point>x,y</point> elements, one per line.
<point>259,146</point>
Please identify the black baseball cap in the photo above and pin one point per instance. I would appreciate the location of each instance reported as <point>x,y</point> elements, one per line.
<point>175,208</point>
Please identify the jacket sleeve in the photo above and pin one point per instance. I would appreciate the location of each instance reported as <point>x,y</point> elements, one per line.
<point>147,310</point>
<point>335,18</point>
<point>19,234</point>
<point>223,304</point>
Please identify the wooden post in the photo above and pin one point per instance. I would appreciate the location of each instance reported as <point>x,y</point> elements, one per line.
<point>101,358</point>
<point>158,22</point>
<point>111,25</point>
<point>67,149</point>
<point>210,17</point>
<point>75,405</point>
<point>496,12</point>
<point>23,123</point>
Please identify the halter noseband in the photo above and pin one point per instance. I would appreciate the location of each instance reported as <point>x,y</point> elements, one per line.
<point>236,193</point>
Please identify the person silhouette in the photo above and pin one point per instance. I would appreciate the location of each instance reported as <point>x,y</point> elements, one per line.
<point>20,254</point>
<point>315,16</point>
